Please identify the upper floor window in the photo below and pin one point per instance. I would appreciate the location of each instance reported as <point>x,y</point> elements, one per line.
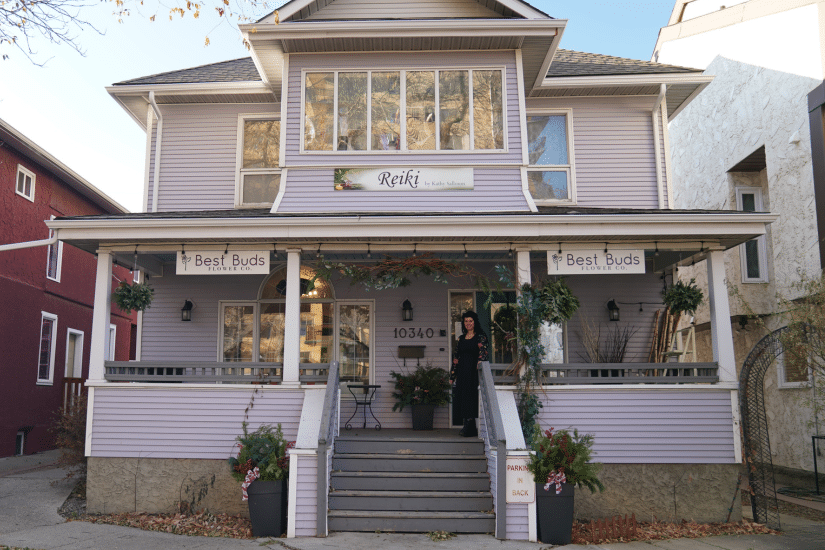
<point>259,173</point>
<point>48,342</point>
<point>54,260</point>
<point>25,183</point>
<point>551,174</point>
<point>752,254</point>
<point>433,110</point>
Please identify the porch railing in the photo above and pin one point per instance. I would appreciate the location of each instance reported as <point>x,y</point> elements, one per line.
<point>616,373</point>
<point>326,442</point>
<point>495,439</point>
<point>72,389</point>
<point>209,372</point>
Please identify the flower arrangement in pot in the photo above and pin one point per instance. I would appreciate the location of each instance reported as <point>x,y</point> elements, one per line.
<point>560,462</point>
<point>422,390</point>
<point>137,296</point>
<point>262,465</point>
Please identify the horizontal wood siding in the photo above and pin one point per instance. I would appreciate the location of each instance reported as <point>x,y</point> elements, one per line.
<point>614,153</point>
<point>185,423</point>
<point>629,291</point>
<point>403,9</point>
<point>495,189</point>
<point>166,338</point>
<point>633,426</point>
<point>517,521</point>
<point>197,158</point>
<point>307,498</point>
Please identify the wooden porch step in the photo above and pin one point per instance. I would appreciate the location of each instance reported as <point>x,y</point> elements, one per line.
<point>381,462</point>
<point>411,481</point>
<point>411,522</point>
<point>411,501</point>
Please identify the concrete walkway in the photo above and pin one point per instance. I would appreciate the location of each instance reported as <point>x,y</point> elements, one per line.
<point>28,519</point>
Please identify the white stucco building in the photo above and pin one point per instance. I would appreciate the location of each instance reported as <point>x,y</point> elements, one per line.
<point>745,143</point>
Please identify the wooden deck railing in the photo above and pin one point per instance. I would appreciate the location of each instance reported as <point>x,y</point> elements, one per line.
<point>617,373</point>
<point>72,389</point>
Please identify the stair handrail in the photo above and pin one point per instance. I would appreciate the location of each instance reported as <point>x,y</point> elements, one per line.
<point>496,439</point>
<point>326,440</point>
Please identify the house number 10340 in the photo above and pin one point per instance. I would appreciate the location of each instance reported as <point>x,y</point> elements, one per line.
<point>414,333</point>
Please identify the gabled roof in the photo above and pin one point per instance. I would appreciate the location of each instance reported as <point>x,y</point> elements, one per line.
<point>13,139</point>
<point>235,70</point>
<point>571,63</point>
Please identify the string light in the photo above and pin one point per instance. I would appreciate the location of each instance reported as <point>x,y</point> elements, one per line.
<point>369,252</point>
<point>465,250</point>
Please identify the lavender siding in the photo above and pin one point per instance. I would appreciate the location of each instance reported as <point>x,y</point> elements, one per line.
<point>403,9</point>
<point>171,422</point>
<point>496,189</point>
<point>614,152</point>
<point>306,499</point>
<point>517,521</point>
<point>198,150</point>
<point>647,426</point>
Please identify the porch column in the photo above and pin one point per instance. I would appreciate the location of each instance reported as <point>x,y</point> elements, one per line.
<point>523,266</point>
<point>101,317</point>
<point>292,318</point>
<point>721,333</point>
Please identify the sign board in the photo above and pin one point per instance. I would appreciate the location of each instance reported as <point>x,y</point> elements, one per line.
<point>520,484</point>
<point>215,262</point>
<point>403,179</point>
<point>595,262</point>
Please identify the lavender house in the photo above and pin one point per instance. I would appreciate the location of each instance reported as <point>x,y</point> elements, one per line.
<point>456,129</point>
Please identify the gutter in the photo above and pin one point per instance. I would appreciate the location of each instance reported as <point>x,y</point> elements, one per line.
<point>157,150</point>
<point>31,244</point>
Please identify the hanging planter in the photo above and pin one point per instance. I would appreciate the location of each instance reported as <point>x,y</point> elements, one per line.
<point>137,296</point>
<point>683,298</point>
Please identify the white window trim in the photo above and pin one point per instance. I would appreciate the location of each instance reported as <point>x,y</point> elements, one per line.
<point>26,171</point>
<point>112,342</point>
<point>761,245</point>
<point>403,108</point>
<point>50,380</point>
<point>240,171</point>
<point>59,245</point>
<point>78,352</point>
<point>783,384</point>
<point>569,168</point>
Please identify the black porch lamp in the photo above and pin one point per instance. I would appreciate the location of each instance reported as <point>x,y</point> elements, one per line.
<point>406,311</point>
<point>186,311</point>
<point>613,310</point>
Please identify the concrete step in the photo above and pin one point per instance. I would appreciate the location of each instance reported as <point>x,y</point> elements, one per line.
<point>411,481</point>
<point>419,501</point>
<point>411,522</point>
<point>380,462</point>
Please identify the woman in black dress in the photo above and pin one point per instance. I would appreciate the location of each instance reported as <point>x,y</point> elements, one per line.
<point>472,348</point>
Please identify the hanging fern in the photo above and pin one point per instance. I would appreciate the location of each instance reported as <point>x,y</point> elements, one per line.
<point>137,296</point>
<point>683,298</point>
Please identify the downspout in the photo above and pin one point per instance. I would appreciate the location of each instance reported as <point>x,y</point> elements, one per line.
<point>157,150</point>
<point>31,244</point>
<point>657,149</point>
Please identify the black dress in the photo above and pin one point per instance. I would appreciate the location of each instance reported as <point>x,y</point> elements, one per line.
<point>468,353</point>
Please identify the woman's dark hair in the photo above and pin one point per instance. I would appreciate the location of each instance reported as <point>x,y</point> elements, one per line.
<point>476,327</point>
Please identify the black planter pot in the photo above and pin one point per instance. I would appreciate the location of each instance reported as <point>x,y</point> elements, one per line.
<point>422,416</point>
<point>267,507</point>
<point>554,514</point>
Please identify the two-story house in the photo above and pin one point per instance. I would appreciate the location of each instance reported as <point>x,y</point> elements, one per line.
<point>46,293</point>
<point>358,131</point>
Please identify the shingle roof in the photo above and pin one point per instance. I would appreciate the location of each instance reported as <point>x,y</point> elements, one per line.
<point>236,70</point>
<point>570,63</point>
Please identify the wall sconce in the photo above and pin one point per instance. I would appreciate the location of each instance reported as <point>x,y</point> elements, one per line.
<point>186,311</point>
<point>406,311</point>
<point>613,310</point>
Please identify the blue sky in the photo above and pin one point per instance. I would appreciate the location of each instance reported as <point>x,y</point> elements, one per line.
<point>65,109</point>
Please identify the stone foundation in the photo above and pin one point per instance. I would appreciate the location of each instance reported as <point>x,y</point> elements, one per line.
<point>668,492</point>
<point>161,485</point>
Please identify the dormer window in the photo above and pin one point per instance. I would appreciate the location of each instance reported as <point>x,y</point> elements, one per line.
<point>259,175</point>
<point>432,110</point>
<point>550,174</point>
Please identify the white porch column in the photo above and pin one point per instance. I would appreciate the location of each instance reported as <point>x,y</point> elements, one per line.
<point>101,317</point>
<point>292,318</point>
<point>523,266</point>
<point>721,333</point>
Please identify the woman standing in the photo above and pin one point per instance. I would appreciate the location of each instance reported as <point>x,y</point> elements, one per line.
<point>472,348</point>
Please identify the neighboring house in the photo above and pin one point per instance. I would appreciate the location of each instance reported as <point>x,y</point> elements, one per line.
<point>746,143</point>
<point>467,137</point>
<point>46,293</point>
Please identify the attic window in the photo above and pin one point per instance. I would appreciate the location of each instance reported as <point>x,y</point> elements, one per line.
<point>430,110</point>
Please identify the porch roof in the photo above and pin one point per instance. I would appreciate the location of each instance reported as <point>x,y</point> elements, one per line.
<point>687,230</point>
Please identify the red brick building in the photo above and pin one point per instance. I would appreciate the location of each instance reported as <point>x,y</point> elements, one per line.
<point>46,293</point>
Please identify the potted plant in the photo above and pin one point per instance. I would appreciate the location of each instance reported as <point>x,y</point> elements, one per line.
<point>560,462</point>
<point>262,465</point>
<point>136,296</point>
<point>423,390</point>
<point>683,298</point>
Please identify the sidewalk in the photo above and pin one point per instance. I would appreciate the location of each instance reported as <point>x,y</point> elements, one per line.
<point>29,519</point>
